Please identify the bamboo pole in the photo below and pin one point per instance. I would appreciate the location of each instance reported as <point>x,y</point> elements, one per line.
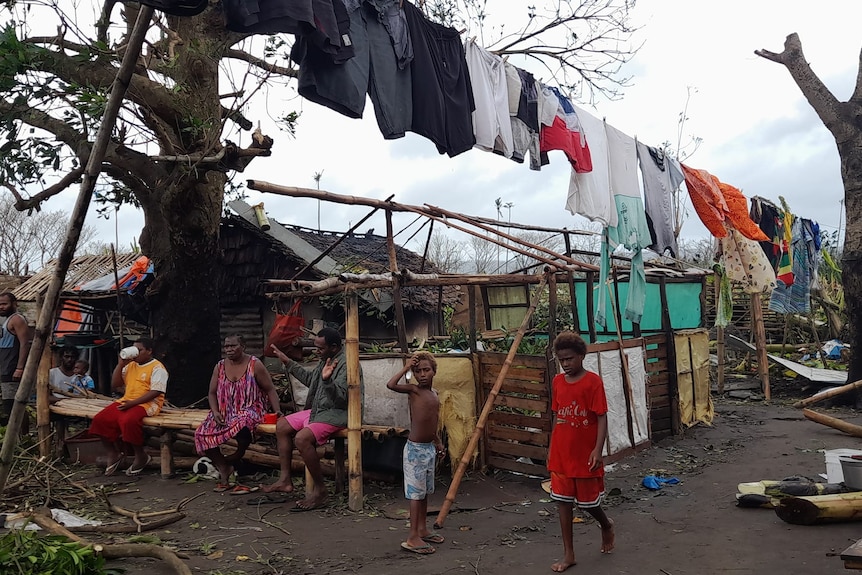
<point>400,325</point>
<point>542,249</point>
<point>117,284</point>
<point>824,395</point>
<point>833,422</point>
<point>297,192</point>
<point>719,336</point>
<point>627,378</point>
<point>43,392</point>
<point>760,344</point>
<point>73,234</point>
<point>427,245</point>
<point>573,294</point>
<point>489,404</point>
<point>354,403</point>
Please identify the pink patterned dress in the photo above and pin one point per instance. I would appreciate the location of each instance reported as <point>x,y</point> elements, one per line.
<point>243,403</point>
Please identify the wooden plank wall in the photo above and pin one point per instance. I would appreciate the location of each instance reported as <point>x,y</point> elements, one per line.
<point>519,425</point>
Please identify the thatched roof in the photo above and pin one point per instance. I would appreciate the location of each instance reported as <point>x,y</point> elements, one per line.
<point>81,270</point>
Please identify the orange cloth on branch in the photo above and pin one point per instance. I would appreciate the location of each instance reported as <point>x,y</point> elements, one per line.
<point>716,202</point>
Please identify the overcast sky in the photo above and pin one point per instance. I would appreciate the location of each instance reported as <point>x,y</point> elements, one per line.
<point>758,132</point>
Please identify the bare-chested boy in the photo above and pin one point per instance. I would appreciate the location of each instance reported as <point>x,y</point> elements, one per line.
<point>422,449</point>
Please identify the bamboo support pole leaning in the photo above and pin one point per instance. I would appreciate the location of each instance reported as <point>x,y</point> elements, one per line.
<point>43,392</point>
<point>627,378</point>
<point>486,410</point>
<point>400,325</point>
<point>822,396</point>
<point>354,402</point>
<point>719,339</point>
<point>73,234</point>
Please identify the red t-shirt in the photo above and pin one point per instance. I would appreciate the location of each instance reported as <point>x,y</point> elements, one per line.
<point>577,407</point>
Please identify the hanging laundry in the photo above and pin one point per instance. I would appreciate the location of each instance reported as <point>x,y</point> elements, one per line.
<point>374,70</point>
<point>178,7</point>
<point>442,95</point>
<point>770,219</point>
<point>745,262</point>
<point>631,230</point>
<point>565,134</point>
<point>724,306</point>
<point>322,22</point>
<point>662,175</point>
<point>391,15</point>
<point>590,192</point>
<point>715,202</point>
<point>491,123</point>
<point>796,298</point>
<point>785,264</point>
<point>524,99</point>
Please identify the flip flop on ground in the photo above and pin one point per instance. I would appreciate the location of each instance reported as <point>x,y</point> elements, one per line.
<point>420,550</point>
<point>222,487</point>
<point>131,471</point>
<point>240,489</point>
<point>433,538</point>
<point>112,468</point>
<point>302,508</point>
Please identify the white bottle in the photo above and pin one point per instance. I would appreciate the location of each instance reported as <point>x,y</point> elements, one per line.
<point>130,352</point>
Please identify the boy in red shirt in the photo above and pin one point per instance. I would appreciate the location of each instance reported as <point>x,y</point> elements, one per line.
<point>575,456</point>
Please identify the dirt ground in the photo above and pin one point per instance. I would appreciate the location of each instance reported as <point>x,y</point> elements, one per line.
<point>503,523</point>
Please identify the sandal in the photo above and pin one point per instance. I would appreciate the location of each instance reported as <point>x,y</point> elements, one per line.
<point>240,489</point>
<point>222,487</point>
<point>112,468</point>
<point>131,472</point>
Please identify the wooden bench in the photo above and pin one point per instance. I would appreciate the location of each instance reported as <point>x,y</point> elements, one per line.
<point>171,419</point>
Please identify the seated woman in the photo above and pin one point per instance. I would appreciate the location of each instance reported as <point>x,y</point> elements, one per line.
<point>239,388</point>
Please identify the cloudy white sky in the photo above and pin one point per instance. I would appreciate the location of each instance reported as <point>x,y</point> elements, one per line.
<point>758,132</point>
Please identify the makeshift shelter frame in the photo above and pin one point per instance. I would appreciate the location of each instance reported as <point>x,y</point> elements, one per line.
<point>557,268</point>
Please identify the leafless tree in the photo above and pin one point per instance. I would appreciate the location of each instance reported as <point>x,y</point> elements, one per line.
<point>842,120</point>
<point>446,252</point>
<point>483,254</point>
<point>29,240</point>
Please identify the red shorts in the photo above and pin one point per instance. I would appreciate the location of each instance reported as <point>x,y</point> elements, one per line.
<point>321,431</point>
<point>113,424</point>
<point>586,492</point>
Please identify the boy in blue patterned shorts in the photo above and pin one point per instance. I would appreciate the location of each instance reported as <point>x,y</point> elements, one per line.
<point>422,449</point>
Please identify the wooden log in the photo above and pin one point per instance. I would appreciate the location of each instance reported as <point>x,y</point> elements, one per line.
<point>824,395</point>
<point>834,422</point>
<point>819,509</point>
<point>43,393</point>
<point>167,455</point>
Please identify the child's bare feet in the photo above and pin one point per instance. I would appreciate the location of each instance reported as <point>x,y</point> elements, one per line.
<point>561,566</point>
<point>608,538</point>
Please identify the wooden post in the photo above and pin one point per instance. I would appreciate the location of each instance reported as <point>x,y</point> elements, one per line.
<point>471,305</point>
<point>760,344</point>
<point>73,233</point>
<point>627,379</point>
<point>43,392</point>
<point>166,442</point>
<point>550,362</point>
<point>719,338</point>
<point>354,401</point>
<point>489,404</point>
<point>573,294</point>
<point>673,379</point>
<point>117,284</point>
<point>400,326</point>
<point>591,306</point>
<point>427,245</point>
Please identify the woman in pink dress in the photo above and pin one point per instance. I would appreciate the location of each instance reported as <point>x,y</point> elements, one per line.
<point>239,388</point>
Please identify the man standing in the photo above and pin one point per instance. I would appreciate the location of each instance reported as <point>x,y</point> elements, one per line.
<point>145,380</point>
<point>326,414</point>
<point>14,347</point>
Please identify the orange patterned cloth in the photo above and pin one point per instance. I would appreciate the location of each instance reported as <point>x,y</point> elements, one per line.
<point>716,203</point>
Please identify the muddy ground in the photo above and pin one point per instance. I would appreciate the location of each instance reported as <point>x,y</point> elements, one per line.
<point>504,523</point>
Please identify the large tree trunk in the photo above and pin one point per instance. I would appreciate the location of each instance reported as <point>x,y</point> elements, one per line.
<point>181,236</point>
<point>842,120</point>
<point>181,229</point>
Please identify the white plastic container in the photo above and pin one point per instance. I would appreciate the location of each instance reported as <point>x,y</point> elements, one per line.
<point>852,470</point>
<point>834,473</point>
<point>130,352</point>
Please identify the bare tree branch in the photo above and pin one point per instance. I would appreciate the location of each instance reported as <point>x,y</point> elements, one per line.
<point>261,63</point>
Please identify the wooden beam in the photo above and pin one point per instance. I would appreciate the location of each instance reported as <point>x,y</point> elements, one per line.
<point>400,325</point>
<point>822,396</point>
<point>760,344</point>
<point>354,403</point>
